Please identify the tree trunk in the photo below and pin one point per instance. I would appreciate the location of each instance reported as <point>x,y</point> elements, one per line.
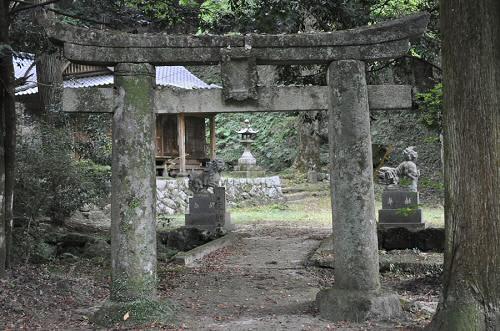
<point>50,81</point>
<point>10,158</point>
<point>308,155</point>
<point>3,248</point>
<point>471,61</point>
<point>49,71</point>
<point>8,139</point>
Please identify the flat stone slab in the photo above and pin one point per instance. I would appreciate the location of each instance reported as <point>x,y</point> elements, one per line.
<point>323,256</point>
<point>411,261</point>
<point>408,226</point>
<point>406,260</point>
<point>189,257</point>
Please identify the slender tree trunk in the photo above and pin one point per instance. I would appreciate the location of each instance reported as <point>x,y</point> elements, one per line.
<point>7,150</point>
<point>10,158</point>
<point>308,126</point>
<point>49,71</point>
<point>3,248</point>
<point>471,61</point>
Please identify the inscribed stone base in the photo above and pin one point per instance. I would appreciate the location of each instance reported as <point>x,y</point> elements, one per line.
<point>351,305</point>
<point>396,199</point>
<point>207,211</point>
<point>400,209</point>
<point>209,222</point>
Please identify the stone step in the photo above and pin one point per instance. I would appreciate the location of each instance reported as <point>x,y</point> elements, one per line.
<point>299,196</point>
<point>291,189</point>
<point>291,197</point>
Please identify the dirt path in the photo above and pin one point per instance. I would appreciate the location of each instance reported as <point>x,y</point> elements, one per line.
<point>259,284</point>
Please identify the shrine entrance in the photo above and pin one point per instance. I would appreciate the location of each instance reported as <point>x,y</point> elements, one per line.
<point>134,103</point>
<point>180,143</point>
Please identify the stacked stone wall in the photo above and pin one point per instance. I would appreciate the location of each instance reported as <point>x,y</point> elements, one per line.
<point>173,194</point>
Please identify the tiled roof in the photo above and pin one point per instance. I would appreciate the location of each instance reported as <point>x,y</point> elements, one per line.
<point>177,76</point>
<point>23,67</point>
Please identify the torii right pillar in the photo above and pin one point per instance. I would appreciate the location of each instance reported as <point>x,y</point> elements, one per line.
<point>356,294</point>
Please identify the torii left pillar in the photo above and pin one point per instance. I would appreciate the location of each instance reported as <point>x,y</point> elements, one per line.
<point>133,228</point>
<point>133,214</point>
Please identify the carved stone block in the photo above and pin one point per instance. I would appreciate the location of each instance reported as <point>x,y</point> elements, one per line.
<point>400,209</point>
<point>239,75</point>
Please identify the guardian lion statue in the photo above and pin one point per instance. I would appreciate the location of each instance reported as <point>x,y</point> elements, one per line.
<point>209,178</point>
<point>407,169</point>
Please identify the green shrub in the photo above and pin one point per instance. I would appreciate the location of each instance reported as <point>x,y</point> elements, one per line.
<point>431,104</point>
<point>49,180</point>
<point>96,178</point>
<point>92,134</point>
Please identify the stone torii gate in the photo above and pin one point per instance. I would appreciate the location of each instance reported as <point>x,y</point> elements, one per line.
<point>134,102</point>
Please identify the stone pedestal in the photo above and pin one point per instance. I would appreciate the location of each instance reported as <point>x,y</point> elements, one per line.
<point>247,165</point>
<point>207,211</point>
<point>247,173</point>
<point>356,294</point>
<point>400,209</point>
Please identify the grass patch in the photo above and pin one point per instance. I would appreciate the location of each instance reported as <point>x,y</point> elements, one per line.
<point>314,212</point>
<point>434,216</point>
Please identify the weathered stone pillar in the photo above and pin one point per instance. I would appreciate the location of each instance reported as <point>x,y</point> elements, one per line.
<point>133,224</point>
<point>133,201</point>
<point>356,293</point>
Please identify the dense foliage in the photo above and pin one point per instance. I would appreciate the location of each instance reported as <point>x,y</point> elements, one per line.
<point>275,147</point>
<point>92,137</point>
<point>49,180</point>
<point>431,104</point>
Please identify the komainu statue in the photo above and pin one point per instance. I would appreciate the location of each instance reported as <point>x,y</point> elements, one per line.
<point>209,178</point>
<point>406,170</point>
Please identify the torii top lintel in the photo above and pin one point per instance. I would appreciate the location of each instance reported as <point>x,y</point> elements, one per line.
<point>379,41</point>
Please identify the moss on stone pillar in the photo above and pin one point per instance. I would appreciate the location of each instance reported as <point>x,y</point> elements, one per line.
<point>133,225</point>
<point>356,294</point>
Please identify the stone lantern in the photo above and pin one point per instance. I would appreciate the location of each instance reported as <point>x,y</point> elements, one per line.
<point>247,164</point>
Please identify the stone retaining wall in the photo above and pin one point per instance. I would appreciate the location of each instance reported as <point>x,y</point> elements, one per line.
<point>173,194</point>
